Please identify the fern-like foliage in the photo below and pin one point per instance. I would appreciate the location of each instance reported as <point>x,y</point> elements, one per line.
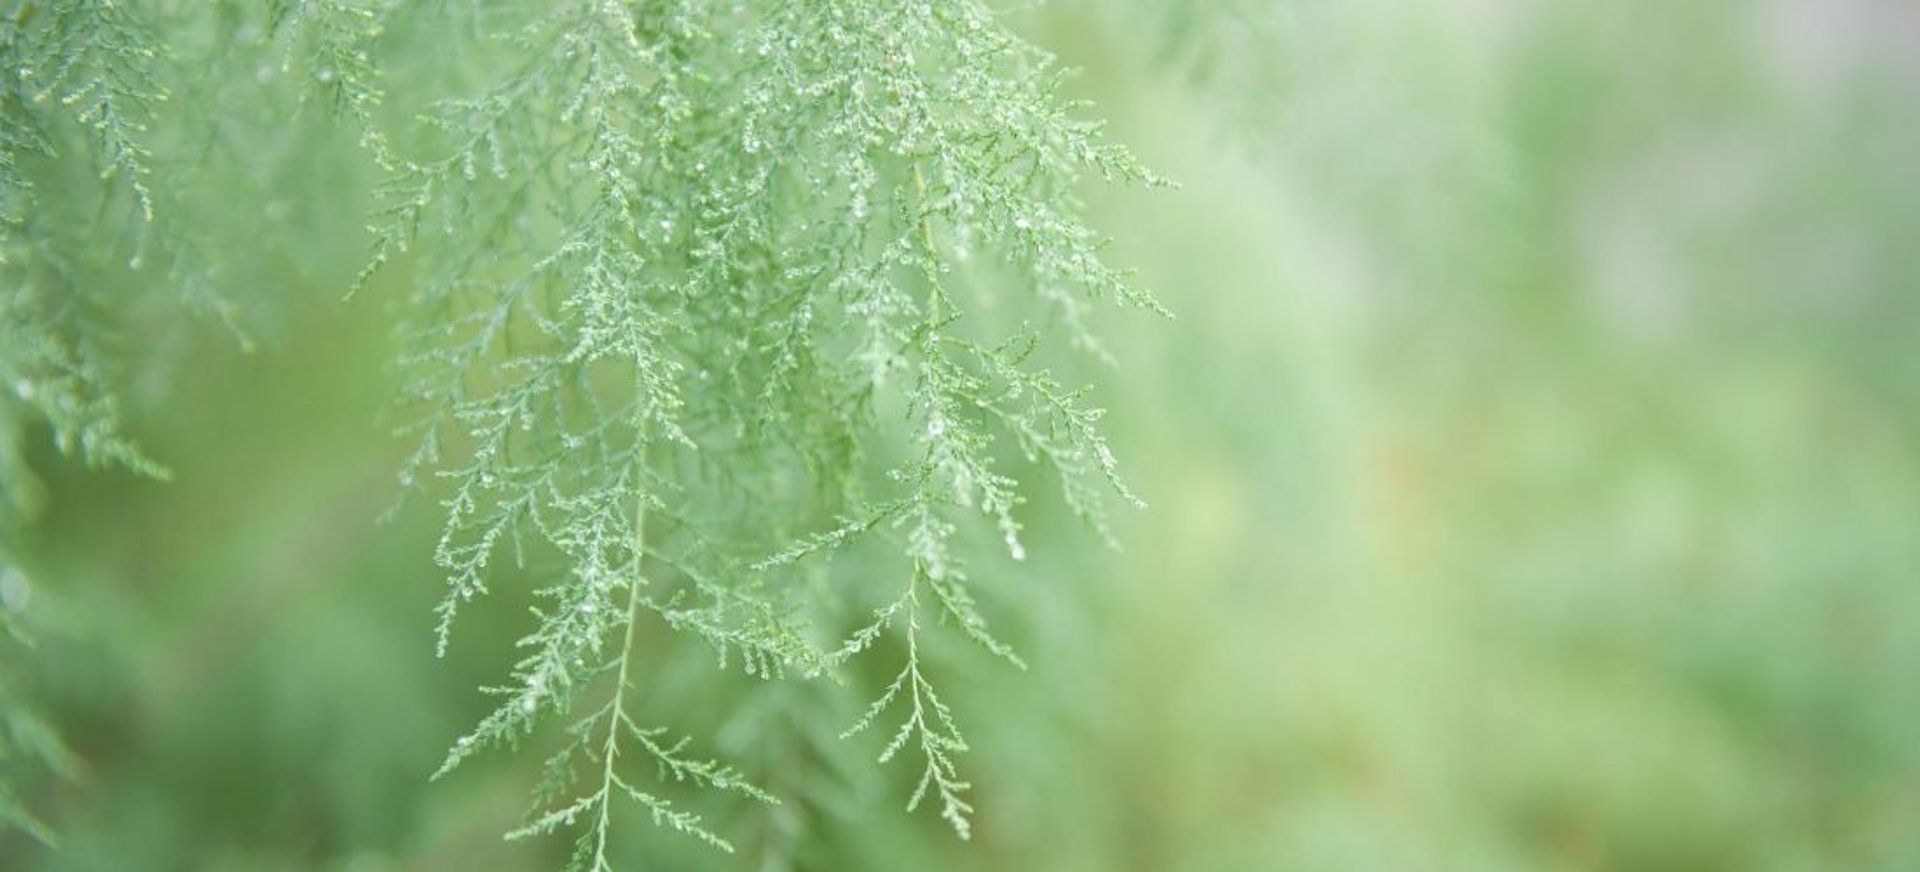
<point>78,90</point>
<point>706,291</point>
<point>94,253</point>
<point>79,87</point>
<point>703,295</point>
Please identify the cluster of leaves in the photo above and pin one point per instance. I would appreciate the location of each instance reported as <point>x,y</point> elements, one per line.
<point>712,271</point>
<point>77,95</point>
<point>97,255</point>
<point>702,296</point>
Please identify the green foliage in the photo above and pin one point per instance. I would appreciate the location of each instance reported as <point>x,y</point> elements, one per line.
<point>1543,371</point>
<point>709,264</point>
<point>689,283</point>
<point>77,94</point>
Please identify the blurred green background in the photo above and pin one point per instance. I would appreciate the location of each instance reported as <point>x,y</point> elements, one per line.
<point>1534,466</point>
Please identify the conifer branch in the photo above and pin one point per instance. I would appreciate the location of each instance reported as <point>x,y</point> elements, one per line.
<point>938,736</point>
<point>738,230</point>
<point>611,751</point>
<point>670,268</point>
